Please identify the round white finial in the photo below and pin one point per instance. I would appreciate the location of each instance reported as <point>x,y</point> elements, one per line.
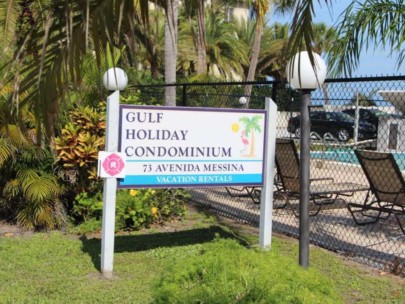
<point>243,100</point>
<point>302,75</point>
<point>115,79</point>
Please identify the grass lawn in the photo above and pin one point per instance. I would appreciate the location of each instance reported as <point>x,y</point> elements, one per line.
<point>64,268</point>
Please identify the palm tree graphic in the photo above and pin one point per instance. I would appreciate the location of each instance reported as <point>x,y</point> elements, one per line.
<point>251,125</point>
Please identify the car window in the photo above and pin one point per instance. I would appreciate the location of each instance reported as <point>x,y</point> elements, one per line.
<point>316,115</point>
<point>378,113</point>
<point>350,112</point>
<point>365,115</point>
<point>344,117</point>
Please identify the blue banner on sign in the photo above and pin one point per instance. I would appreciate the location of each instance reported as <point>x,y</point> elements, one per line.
<point>190,180</point>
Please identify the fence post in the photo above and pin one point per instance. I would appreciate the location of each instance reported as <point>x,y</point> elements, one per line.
<point>274,91</point>
<point>184,98</point>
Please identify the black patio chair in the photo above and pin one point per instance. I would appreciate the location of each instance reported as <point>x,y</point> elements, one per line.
<point>323,191</point>
<point>254,193</point>
<point>387,185</point>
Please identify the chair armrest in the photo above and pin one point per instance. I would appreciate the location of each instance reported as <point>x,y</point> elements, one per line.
<point>321,179</point>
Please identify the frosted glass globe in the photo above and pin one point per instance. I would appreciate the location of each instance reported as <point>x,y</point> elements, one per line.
<point>115,79</point>
<point>302,75</point>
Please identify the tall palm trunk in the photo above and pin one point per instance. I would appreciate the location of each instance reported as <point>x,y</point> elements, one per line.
<point>170,56</point>
<point>260,8</point>
<point>253,60</point>
<point>201,41</point>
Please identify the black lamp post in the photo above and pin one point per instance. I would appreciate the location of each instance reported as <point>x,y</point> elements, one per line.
<point>304,76</point>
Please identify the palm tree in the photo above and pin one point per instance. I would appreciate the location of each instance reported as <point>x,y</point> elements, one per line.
<point>30,195</point>
<point>366,24</point>
<point>324,42</point>
<point>274,52</point>
<point>372,23</point>
<point>251,125</point>
<point>196,8</point>
<point>225,52</point>
<point>146,43</point>
<point>170,51</point>
<point>260,9</point>
<point>47,56</point>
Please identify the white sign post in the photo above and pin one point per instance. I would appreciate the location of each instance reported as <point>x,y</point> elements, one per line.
<point>266,200</point>
<point>114,79</point>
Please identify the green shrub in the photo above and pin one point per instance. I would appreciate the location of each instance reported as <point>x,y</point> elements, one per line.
<point>227,272</point>
<point>140,208</point>
<point>87,207</point>
<point>133,211</point>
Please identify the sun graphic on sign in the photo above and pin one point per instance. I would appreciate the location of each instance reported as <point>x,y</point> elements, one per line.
<point>235,127</point>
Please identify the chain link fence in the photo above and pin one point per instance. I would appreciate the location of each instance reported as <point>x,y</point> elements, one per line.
<point>346,115</point>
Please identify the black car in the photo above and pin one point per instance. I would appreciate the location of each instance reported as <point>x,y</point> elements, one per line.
<point>338,124</point>
<point>369,115</point>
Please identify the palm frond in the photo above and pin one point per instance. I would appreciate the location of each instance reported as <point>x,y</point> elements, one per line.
<point>9,14</point>
<point>7,150</point>
<point>52,51</point>
<point>365,25</point>
<point>37,190</point>
<point>12,189</point>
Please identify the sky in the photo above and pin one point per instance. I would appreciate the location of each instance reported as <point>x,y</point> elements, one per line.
<point>372,63</point>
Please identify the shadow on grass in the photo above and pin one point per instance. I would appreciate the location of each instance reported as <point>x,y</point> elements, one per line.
<point>135,243</point>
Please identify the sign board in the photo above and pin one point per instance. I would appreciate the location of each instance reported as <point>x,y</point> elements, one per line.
<point>186,147</point>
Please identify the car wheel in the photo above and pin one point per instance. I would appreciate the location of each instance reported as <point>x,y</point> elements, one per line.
<point>343,135</point>
<point>297,132</point>
<point>328,136</point>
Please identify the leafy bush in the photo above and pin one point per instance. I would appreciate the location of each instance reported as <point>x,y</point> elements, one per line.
<point>140,208</point>
<point>77,149</point>
<point>227,272</point>
<point>86,207</point>
<point>30,193</point>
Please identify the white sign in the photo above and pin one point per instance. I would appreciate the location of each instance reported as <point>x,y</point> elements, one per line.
<point>185,147</point>
<point>111,164</point>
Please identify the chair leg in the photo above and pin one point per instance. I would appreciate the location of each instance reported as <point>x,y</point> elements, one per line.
<point>399,220</point>
<point>313,213</point>
<point>358,208</point>
<point>283,196</point>
<point>240,192</point>
<point>255,195</point>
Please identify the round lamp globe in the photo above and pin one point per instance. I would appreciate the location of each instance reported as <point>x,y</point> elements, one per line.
<point>302,75</point>
<point>243,100</point>
<point>115,79</point>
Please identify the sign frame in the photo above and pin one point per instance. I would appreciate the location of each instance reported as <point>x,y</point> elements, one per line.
<point>185,181</point>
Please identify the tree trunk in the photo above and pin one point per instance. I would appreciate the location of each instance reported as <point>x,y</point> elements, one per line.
<point>201,42</point>
<point>253,60</point>
<point>170,57</point>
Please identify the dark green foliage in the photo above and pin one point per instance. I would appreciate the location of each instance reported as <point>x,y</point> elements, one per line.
<point>85,207</point>
<point>227,272</point>
<point>30,194</point>
<point>287,99</point>
<point>139,208</point>
<point>133,211</point>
